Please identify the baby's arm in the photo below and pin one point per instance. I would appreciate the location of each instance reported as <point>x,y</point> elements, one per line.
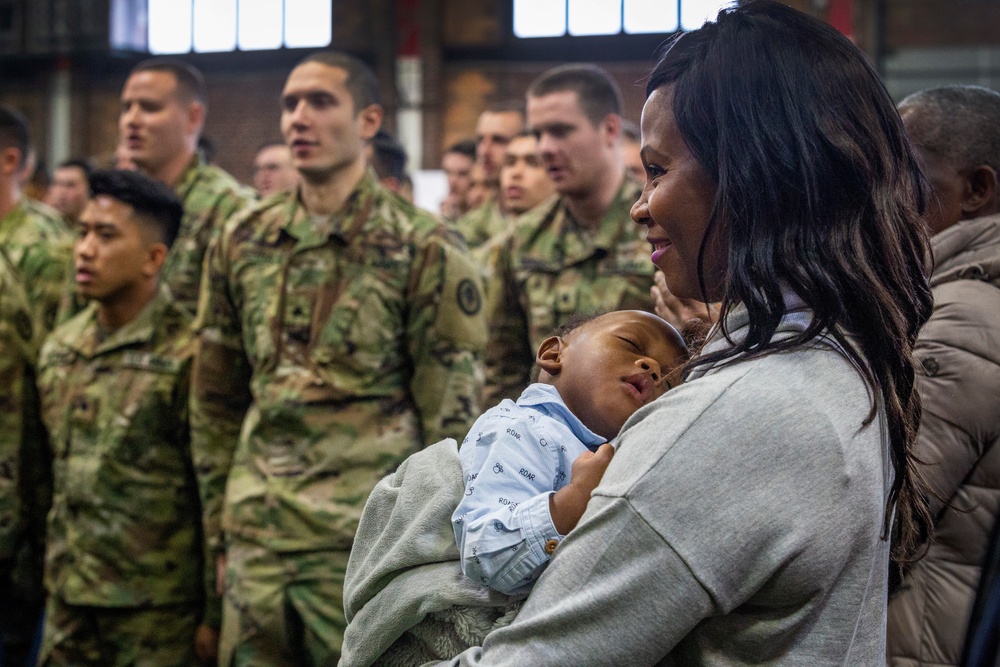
<point>503,523</point>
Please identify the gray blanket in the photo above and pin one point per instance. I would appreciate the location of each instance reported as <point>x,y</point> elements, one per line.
<point>405,597</point>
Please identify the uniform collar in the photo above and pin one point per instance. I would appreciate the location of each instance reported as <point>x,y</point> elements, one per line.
<point>139,331</point>
<point>579,244</point>
<point>190,177</point>
<point>344,225</point>
<point>546,399</point>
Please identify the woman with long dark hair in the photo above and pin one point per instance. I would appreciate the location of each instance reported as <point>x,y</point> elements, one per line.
<point>746,517</point>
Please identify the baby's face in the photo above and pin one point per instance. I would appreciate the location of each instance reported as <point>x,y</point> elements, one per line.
<point>615,364</point>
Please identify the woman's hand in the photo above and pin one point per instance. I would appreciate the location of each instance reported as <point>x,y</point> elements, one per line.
<point>679,311</point>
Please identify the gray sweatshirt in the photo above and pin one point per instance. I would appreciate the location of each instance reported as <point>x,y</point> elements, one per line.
<point>739,523</point>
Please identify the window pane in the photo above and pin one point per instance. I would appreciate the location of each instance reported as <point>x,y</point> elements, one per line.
<point>169,26</point>
<point>694,13</point>
<point>595,17</point>
<point>214,25</point>
<point>643,16</point>
<point>260,24</point>
<point>308,23</point>
<point>539,18</point>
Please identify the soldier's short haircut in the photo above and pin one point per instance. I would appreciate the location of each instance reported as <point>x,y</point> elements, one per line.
<point>466,147</point>
<point>190,81</point>
<point>155,205</point>
<point>14,132</point>
<point>597,92</point>
<point>388,156</point>
<point>78,163</point>
<point>271,142</point>
<point>507,106</point>
<point>361,81</point>
<point>958,123</point>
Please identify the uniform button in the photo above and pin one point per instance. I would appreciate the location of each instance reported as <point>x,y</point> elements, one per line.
<point>550,546</point>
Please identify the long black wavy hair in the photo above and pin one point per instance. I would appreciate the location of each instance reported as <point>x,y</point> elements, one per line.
<point>818,191</point>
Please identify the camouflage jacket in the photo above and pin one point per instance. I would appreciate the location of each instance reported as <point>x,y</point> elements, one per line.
<point>547,269</point>
<point>482,223</point>
<point>37,243</point>
<point>124,530</point>
<point>19,338</point>
<point>210,197</point>
<point>329,350</point>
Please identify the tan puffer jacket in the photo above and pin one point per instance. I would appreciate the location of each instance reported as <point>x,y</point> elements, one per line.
<point>958,351</point>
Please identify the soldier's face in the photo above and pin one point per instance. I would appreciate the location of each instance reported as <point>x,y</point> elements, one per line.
<point>458,168</point>
<point>608,368</point>
<point>113,253</point>
<point>68,192</point>
<point>523,181</point>
<point>155,123</point>
<point>575,151</point>
<point>320,124</point>
<point>494,130</point>
<point>273,170</point>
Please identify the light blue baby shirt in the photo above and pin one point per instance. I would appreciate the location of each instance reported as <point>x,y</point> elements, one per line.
<point>514,458</point>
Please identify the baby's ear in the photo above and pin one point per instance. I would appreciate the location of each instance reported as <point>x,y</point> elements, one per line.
<point>549,357</point>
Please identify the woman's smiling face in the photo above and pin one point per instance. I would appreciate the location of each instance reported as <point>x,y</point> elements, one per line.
<point>676,204</point>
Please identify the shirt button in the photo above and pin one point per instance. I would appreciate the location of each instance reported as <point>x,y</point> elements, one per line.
<point>550,546</point>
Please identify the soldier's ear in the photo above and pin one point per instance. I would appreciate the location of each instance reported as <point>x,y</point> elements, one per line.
<point>156,254</point>
<point>549,357</point>
<point>370,120</point>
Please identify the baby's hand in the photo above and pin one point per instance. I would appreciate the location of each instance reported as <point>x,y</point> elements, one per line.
<point>589,467</point>
<point>568,503</point>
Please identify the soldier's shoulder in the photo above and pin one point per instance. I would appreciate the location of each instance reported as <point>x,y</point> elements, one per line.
<point>46,220</point>
<point>216,184</point>
<point>410,221</point>
<point>260,218</point>
<point>66,335</point>
<point>175,332</point>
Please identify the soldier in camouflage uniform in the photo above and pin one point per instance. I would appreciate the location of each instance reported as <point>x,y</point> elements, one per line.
<point>36,244</point>
<point>340,330</point>
<point>496,126</point>
<point>162,114</point>
<point>33,235</point>
<point>125,560</point>
<point>22,449</point>
<point>582,254</point>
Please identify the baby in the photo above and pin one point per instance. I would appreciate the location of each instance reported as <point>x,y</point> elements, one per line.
<point>531,466</point>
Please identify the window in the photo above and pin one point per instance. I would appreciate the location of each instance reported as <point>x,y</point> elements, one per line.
<point>555,18</point>
<point>204,26</point>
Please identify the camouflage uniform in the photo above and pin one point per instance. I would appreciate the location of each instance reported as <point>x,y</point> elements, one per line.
<point>41,249</point>
<point>22,459</point>
<point>340,345</point>
<point>482,223</point>
<point>124,530</point>
<point>210,196</point>
<point>548,269</point>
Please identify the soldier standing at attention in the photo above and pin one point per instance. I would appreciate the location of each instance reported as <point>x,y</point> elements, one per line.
<point>22,456</point>
<point>494,130</point>
<point>70,190</point>
<point>340,330</point>
<point>581,254</point>
<point>36,245</point>
<point>32,234</point>
<point>162,114</point>
<point>125,562</point>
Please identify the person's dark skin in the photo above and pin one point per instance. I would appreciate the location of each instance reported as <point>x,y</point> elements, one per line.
<point>604,371</point>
